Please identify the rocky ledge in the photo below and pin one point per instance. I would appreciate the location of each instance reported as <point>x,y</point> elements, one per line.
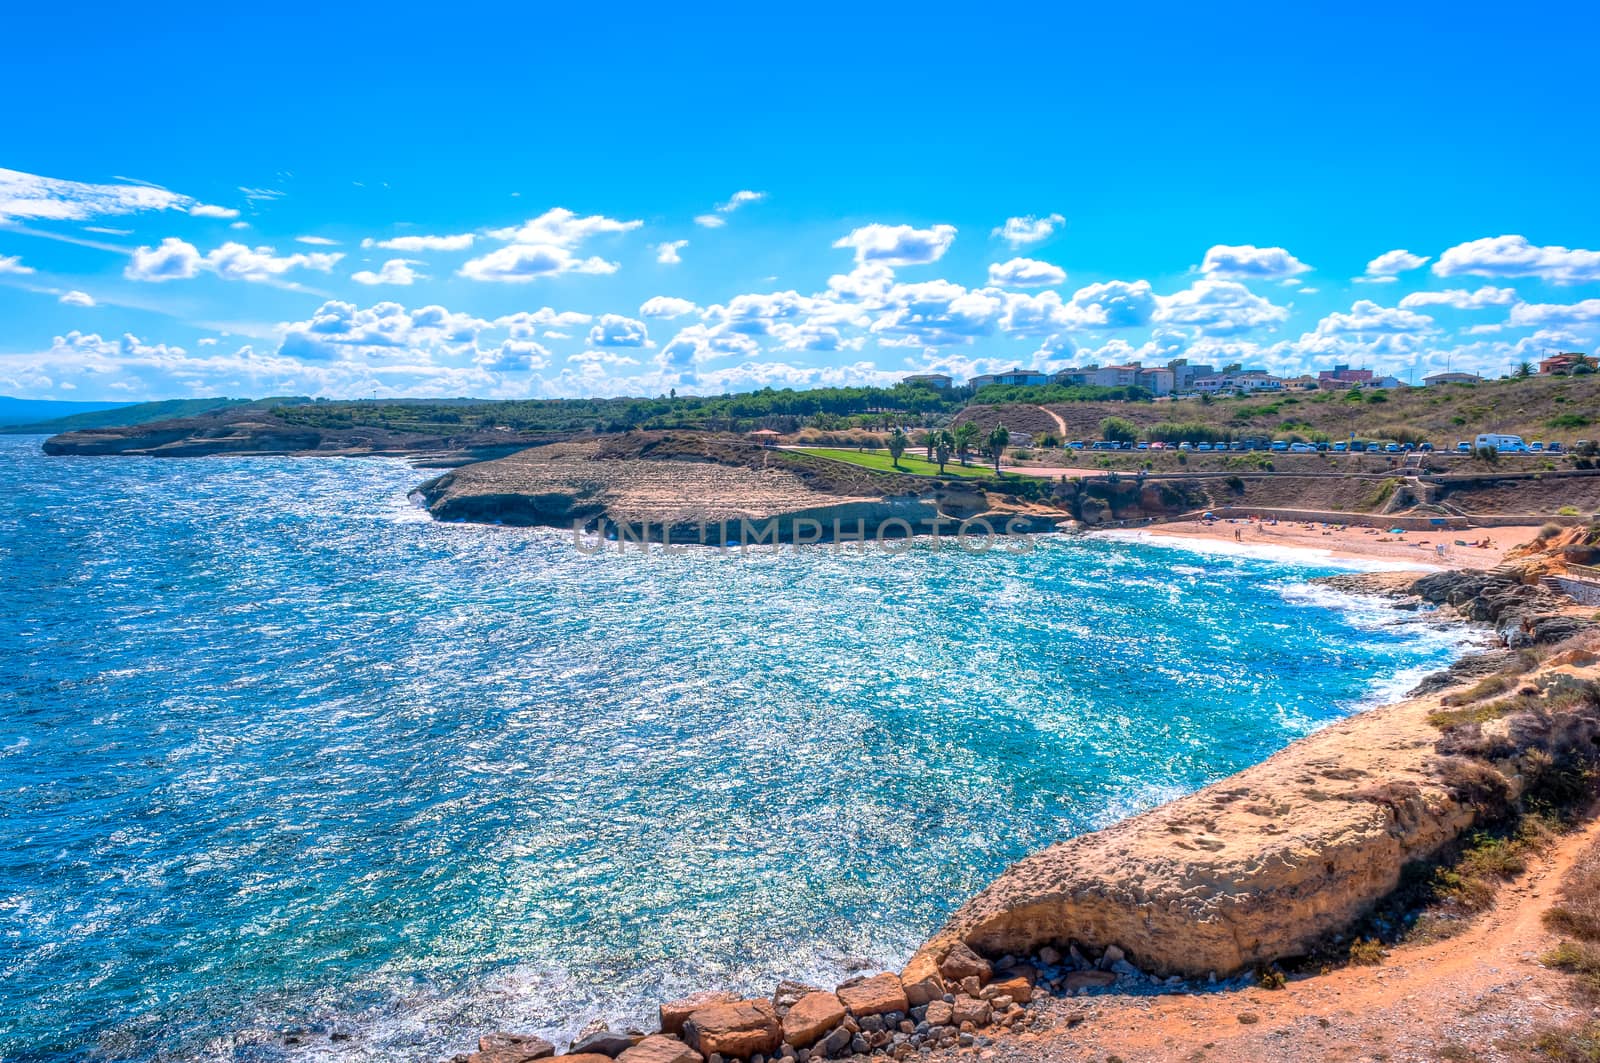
<point>691,488</point>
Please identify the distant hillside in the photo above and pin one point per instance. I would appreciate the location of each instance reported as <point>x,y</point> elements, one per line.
<point>136,414</point>
<point>28,411</point>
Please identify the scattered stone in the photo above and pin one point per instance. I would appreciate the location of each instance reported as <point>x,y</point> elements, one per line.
<point>675,1012</point>
<point>584,1057</point>
<point>511,1048</point>
<point>812,1016</point>
<point>659,1048</point>
<point>1111,956</point>
<point>1049,956</point>
<point>1249,1018</point>
<point>1016,987</point>
<point>940,1013</point>
<point>970,1009</point>
<point>874,996</point>
<point>961,962</point>
<point>833,1044</point>
<point>922,980</point>
<point>739,1029</point>
<point>1076,980</point>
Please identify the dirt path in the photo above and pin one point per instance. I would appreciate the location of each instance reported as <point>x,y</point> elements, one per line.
<point>1473,996</point>
<point>1061,426</point>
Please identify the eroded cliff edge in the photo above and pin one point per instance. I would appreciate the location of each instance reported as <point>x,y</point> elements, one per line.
<point>697,489</point>
<point>1272,861</point>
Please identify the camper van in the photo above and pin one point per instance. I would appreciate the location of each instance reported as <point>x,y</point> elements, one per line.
<point>1503,444</point>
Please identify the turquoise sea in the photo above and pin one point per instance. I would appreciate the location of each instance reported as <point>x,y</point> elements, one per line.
<point>281,759</point>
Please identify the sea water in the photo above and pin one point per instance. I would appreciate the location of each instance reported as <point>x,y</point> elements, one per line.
<point>288,770</point>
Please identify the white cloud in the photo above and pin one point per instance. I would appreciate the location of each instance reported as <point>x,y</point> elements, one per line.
<point>524,325</point>
<point>739,199</point>
<point>1218,308</point>
<point>1386,265</point>
<point>1586,312</point>
<point>514,356</point>
<point>177,259</point>
<point>207,210</point>
<point>1247,261</point>
<point>1027,229</point>
<point>938,313</point>
<point>26,195</point>
<point>614,330</point>
<point>517,263</point>
<point>667,253</point>
<point>898,245</point>
<point>394,271</point>
<point>77,298</point>
<point>1461,299</point>
<point>13,264</point>
<point>559,227</point>
<point>1514,256</point>
<point>316,241</point>
<point>261,195</point>
<point>413,244</point>
<point>1111,304</point>
<point>1025,273</point>
<point>710,221</point>
<point>666,306</point>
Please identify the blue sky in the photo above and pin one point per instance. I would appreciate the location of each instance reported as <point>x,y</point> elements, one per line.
<point>621,200</point>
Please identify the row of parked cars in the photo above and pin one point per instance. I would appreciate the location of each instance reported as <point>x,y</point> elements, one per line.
<point>1503,444</point>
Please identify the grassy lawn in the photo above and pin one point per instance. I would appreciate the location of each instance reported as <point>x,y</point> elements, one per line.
<point>879,460</point>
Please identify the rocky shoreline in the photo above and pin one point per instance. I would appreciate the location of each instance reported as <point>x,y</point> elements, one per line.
<point>1267,865</point>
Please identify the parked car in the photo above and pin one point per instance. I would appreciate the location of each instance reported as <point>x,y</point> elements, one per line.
<point>1340,448</point>
<point>1302,448</point>
<point>1537,446</point>
<point>1185,446</point>
<point>1555,447</point>
<point>1391,448</point>
<point>1463,447</point>
<point>1076,444</point>
<point>1141,445</point>
<point>1426,448</point>
<point>1202,446</point>
<point>1158,445</point>
<point>1281,446</point>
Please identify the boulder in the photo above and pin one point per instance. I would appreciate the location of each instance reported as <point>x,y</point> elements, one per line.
<point>1088,979</point>
<point>968,1009</point>
<point>961,962</point>
<point>673,1013</point>
<point>921,979</point>
<point>609,1043</point>
<point>1017,988</point>
<point>584,1057</point>
<point>810,1017</point>
<point>742,1028</point>
<point>511,1048</point>
<point>877,995</point>
<point>659,1048</point>
<point>939,1013</point>
<point>833,1044</point>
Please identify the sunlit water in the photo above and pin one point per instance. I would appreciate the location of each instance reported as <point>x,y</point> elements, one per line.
<point>278,753</point>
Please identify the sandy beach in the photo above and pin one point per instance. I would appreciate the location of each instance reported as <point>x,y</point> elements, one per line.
<point>1412,549</point>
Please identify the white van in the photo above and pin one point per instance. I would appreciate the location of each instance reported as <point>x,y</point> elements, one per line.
<point>1503,444</point>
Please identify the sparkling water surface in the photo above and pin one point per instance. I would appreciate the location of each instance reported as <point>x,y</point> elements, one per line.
<point>280,758</point>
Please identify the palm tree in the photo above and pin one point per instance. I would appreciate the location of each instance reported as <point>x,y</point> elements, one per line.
<point>997,444</point>
<point>943,444</point>
<point>897,446</point>
<point>1524,370</point>
<point>966,434</point>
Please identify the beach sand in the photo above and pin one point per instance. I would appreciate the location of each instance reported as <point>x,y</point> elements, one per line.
<point>1413,549</point>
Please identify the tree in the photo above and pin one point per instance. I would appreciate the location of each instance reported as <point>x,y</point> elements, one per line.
<point>1524,370</point>
<point>897,446</point>
<point>943,444</point>
<point>1118,430</point>
<point>966,434</point>
<point>998,439</point>
<point>1583,364</point>
<point>929,438</point>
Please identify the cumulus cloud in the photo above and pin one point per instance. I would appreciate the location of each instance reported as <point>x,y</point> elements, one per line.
<point>514,356</point>
<point>77,298</point>
<point>898,245</point>
<point>1218,308</point>
<point>30,196</point>
<point>666,306</point>
<point>1390,263</point>
<point>1514,256</point>
<point>518,263</point>
<point>394,271</point>
<point>1019,232</point>
<point>1586,312</point>
<point>1461,299</point>
<point>13,264</point>
<point>207,210</point>
<point>667,253</point>
<point>1025,273</point>
<point>559,227</point>
<point>413,244</point>
<point>177,259</point>
<point>1247,262</point>
<point>1111,304</point>
<point>614,330</point>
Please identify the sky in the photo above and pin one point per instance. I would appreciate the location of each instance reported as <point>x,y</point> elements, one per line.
<point>530,201</point>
